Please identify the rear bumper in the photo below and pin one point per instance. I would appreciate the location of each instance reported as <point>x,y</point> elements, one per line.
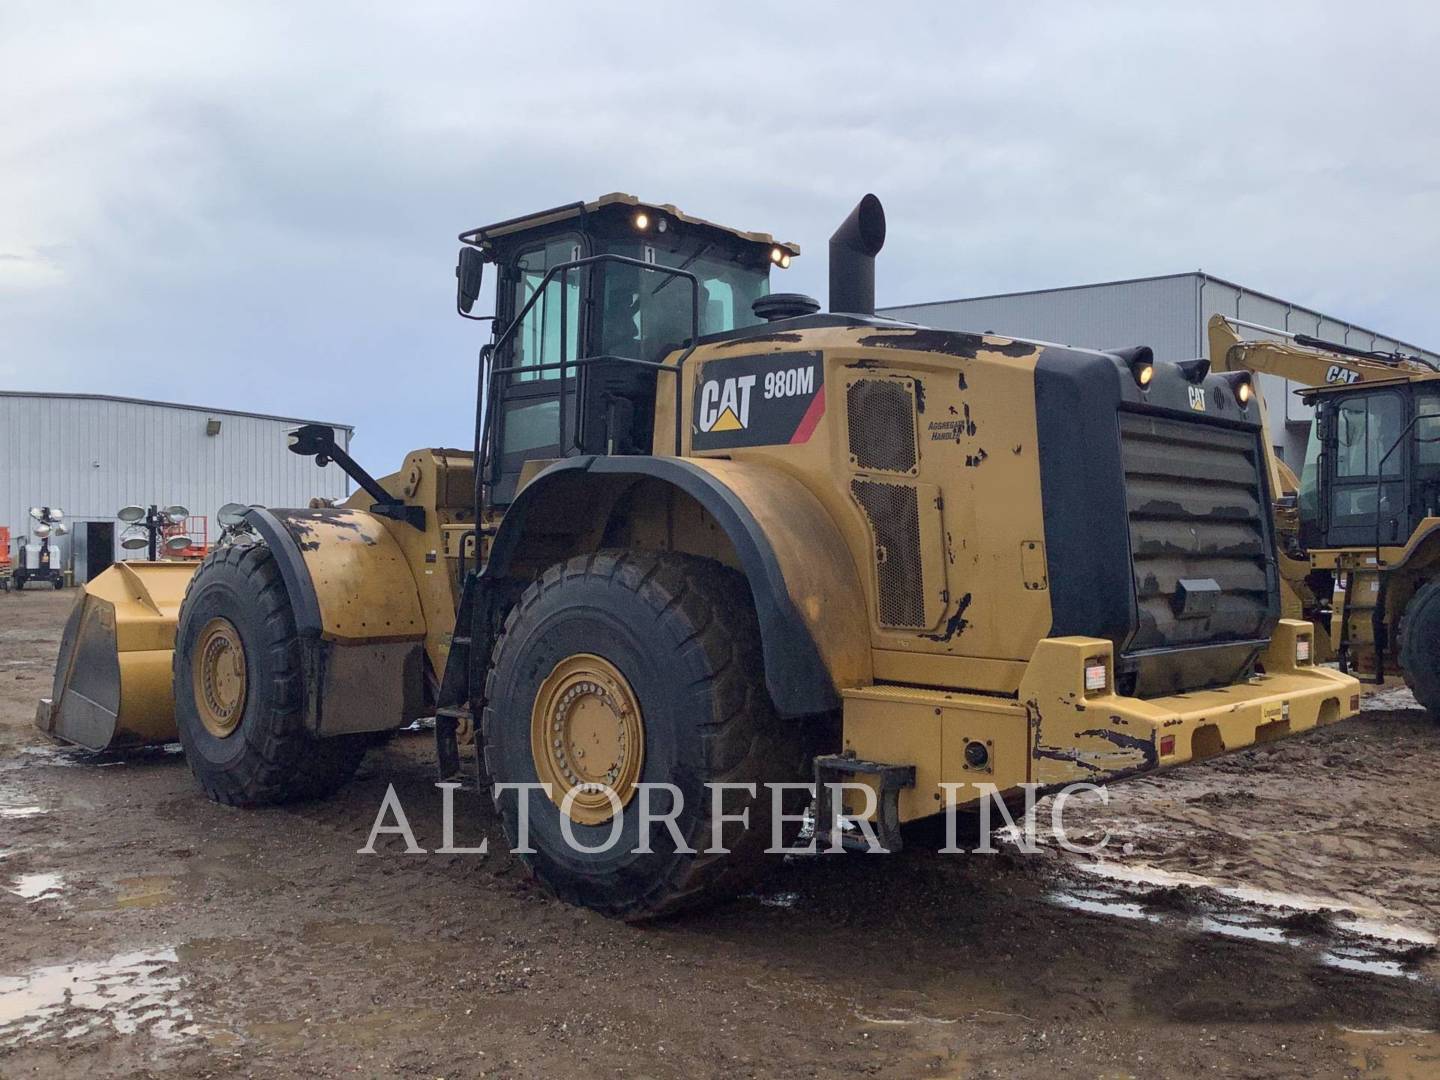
<point>1056,732</point>
<point>1080,735</point>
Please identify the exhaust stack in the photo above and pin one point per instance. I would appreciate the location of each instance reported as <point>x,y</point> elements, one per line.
<point>853,248</point>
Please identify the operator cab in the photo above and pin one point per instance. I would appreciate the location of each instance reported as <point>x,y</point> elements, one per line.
<point>1372,466</point>
<point>591,298</point>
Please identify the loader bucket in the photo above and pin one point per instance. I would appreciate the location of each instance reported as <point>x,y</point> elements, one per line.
<point>112,679</point>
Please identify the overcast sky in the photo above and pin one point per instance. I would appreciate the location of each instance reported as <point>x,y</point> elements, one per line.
<point>255,205</point>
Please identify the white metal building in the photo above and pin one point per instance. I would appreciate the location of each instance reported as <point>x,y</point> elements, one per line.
<point>1167,313</point>
<point>91,454</point>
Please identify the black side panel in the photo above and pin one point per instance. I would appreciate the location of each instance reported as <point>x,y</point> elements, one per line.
<point>795,674</point>
<point>1082,485</point>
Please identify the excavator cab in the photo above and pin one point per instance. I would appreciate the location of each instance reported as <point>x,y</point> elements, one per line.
<point>590,299</point>
<point>1372,470</point>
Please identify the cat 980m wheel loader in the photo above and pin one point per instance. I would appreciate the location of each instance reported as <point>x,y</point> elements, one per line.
<point>712,535</point>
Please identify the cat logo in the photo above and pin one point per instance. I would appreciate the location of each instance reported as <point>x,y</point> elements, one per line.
<point>773,399</point>
<point>725,404</point>
<point>1338,374</point>
<point>1197,398</point>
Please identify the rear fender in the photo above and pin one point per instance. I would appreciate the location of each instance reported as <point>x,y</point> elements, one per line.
<point>802,577</point>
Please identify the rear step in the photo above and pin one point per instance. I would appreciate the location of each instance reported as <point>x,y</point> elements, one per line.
<point>837,768</point>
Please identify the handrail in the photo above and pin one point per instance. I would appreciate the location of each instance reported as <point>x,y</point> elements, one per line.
<point>489,377</point>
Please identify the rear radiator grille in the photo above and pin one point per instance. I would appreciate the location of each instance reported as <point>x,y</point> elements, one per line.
<point>894,513</point>
<point>1197,515</point>
<point>881,416</point>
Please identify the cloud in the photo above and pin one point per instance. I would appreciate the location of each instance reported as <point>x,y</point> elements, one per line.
<point>256,205</point>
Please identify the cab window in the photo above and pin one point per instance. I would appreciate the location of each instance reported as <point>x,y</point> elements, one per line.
<point>1427,428</point>
<point>537,339</point>
<point>1366,428</point>
<point>647,314</point>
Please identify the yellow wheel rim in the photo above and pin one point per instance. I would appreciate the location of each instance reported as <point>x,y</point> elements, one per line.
<point>218,671</point>
<point>587,736</point>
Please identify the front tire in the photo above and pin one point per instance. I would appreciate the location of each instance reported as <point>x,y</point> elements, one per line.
<point>652,662</point>
<point>1420,647</point>
<point>240,692</point>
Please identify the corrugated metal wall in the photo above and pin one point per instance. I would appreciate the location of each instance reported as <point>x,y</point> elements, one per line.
<point>1168,314</point>
<point>1159,312</point>
<point>90,456</point>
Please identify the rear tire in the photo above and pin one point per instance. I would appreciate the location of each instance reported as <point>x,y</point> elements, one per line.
<point>1420,647</point>
<point>245,738</point>
<point>678,636</point>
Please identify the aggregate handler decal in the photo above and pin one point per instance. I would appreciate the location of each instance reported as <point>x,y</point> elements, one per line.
<point>758,400</point>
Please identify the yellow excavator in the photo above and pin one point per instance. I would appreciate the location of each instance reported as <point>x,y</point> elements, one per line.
<point>711,538</point>
<point>1359,530</point>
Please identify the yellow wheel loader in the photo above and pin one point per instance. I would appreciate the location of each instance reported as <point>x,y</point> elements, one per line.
<point>1359,531</point>
<point>711,538</point>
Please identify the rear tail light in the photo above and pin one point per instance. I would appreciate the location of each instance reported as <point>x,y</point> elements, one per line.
<point>1095,678</point>
<point>1167,745</point>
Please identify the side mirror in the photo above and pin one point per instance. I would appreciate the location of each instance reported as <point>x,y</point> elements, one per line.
<point>312,440</point>
<point>469,271</point>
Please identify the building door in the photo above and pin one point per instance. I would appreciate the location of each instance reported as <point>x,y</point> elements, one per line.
<point>99,547</point>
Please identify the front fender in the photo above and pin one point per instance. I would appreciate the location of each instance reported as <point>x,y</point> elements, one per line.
<point>358,613</point>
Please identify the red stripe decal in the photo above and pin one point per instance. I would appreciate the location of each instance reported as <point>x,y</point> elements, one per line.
<point>811,418</point>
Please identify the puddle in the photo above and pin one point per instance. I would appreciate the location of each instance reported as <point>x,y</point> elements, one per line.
<point>1399,1053</point>
<point>1365,962</point>
<point>22,811</point>
<point>145,892</point>
<point>34,887</point>
<point>1377,943</point>
<point>1101,905</point>
<point>1391,698</point>
<point>1244,927</point>
<point>128,993</point>
<point>1371,921</point>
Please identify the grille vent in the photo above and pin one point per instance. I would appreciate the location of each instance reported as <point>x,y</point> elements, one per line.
<point>881,416</point>
<point>1197,514</point>
<point>894,513</point>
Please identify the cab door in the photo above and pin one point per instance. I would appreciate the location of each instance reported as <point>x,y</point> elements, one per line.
<point>529,397</point>
<point>1367,474</point>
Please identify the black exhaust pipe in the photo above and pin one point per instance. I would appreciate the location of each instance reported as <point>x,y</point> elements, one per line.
<point>852,258</point>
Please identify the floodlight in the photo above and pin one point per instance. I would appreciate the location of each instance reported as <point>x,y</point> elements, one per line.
<point>131,514</point>
<point>231,514</point>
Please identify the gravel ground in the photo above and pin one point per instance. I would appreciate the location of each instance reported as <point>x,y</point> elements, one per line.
<point>1267,914</point>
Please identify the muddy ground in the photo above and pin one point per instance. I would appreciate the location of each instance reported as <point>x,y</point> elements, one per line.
<point>1266,914</point>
